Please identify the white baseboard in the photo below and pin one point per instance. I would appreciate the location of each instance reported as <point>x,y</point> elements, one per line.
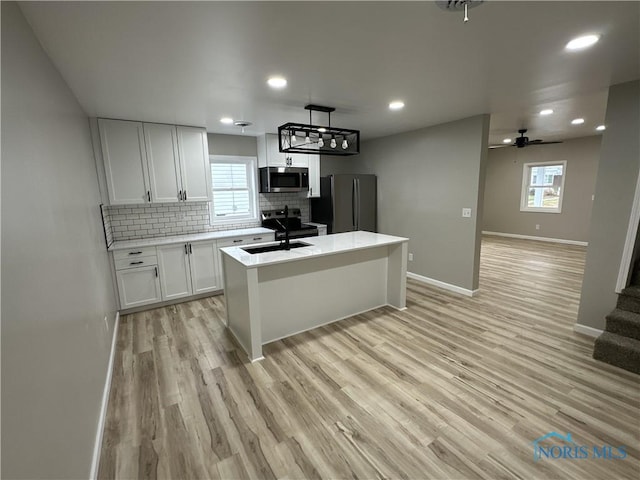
<point>584,330</point>
<point>95,462</point>
<point>443,285</point>
<point>538,239</point>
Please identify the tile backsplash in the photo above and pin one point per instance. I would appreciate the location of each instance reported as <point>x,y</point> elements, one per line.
<point>131,222</point>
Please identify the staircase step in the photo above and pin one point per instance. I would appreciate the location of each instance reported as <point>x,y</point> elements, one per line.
<point>623,352</point>
<point>629,299</point>
<point>625,323</point>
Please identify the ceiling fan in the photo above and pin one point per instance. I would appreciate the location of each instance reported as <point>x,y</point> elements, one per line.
<point>523,141</point>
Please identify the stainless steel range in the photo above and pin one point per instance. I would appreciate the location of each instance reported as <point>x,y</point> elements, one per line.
<point>278,221</point>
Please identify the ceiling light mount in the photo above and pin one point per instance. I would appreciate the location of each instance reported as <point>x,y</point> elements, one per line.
<point>459,6</point>
<point>312,139</point>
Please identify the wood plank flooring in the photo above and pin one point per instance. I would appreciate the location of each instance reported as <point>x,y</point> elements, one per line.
<point>451,388</point>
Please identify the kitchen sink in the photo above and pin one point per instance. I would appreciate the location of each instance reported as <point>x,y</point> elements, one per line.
<point>275,248</point>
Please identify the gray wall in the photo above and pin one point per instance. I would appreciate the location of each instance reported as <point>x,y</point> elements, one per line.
<point>240,145</point>
<point>504,185</point>
<point>615,189</point>
<point>56,282</point>
<point>330,165</point>
<point>425,178</point>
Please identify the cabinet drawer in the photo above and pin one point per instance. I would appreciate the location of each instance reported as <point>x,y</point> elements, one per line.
<point>246,240</point>
<point>134,253</point>
<point>136,262</point>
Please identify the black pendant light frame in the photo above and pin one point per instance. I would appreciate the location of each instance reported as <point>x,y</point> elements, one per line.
<point>305,138</point>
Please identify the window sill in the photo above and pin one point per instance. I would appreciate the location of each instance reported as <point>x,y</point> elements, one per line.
<point>540,210</point>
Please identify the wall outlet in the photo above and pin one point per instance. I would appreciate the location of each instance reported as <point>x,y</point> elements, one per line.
<point>537,226</point>
<point>411,257</point>
<point>466,212</point>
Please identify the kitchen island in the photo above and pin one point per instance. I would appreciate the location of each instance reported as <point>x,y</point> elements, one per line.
<point>277,294</point>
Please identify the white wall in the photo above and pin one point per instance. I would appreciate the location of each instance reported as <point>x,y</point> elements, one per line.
<point>425,178</point>
<point>56,282</point>
<point>503,189</point>
<point>615,189</point>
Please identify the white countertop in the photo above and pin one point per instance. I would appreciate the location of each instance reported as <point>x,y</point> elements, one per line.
<point>195,237</point>
<point>315,224</point>
<point>319,246</point>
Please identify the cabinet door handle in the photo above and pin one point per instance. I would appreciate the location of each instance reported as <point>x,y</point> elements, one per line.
<point>257,238</point>
<point>135,263</point>
<point>135,253</point>
<point>149,195</point>
<point>190,250</point>
<point>186,249</point>
<point>180,195</point>
<point>184,195</point>
<point>237,241</point>
<point>156,272</point>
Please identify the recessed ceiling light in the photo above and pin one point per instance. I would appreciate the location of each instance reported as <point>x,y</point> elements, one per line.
<point>600,128</point>
<point>582,42</point>
<point>506,140</point>
<point>546,111</point>
<point>396,105</point>
<point>577,121</point>
<point>277,82</point>
<point>226,120</point>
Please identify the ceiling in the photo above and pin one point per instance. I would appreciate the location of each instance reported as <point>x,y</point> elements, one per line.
<point>195,62</point>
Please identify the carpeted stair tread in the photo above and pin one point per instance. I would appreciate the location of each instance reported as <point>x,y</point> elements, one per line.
<point>625,323</point>
<point>627,302</point>
<point>632,291</point>
<point>623,352</point>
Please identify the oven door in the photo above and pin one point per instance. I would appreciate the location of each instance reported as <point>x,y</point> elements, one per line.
<point>282,179</point>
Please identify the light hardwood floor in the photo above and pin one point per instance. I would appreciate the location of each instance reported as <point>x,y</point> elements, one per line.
<point>453,387</point>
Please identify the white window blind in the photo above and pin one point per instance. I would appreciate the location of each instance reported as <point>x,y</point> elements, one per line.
<point>234,192</point>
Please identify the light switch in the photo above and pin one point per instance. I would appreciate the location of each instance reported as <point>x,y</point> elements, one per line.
<point>466,212</point>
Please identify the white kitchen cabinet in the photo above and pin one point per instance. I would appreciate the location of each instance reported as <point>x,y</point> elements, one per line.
<point>203,260</point>
<point>188,269</point>
<point>175,274</point>
<point>161,143</point>
<point>153,162</point>
<point>125,161</point>
<point>195,173</point>
<point>138,286</point>
<point>314,176</point>
<point>269,154</point>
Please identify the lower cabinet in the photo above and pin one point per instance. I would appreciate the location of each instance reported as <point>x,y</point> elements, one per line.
<point>138,286</point>
<point>188,269</point>
<point>175,275</point>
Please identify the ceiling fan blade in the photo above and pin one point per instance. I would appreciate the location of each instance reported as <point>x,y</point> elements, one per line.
<point>500,146</point>
<point>535,141</point>
<point>542,143</point>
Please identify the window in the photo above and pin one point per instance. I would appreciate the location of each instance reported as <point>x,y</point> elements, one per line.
<point>233,181</point>
<point>542,187</point>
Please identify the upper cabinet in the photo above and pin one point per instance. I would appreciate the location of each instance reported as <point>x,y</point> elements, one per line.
<point>193,152</point>
<point>269,154</point>
<point>171,163</point>
<point>125,161</point>
<point>314,176</point>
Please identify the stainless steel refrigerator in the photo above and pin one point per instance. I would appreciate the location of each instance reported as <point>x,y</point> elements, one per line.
<point>346,203</point>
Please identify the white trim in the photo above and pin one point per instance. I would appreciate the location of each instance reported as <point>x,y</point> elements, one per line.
<point>630,242</point>
<point>584,330</point>
<point>95,461</point>
<point>538,239</point>
<point>443,285</point>
<point>524,193</point>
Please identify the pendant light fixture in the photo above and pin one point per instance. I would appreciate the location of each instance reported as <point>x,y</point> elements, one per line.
<point>316,136</point>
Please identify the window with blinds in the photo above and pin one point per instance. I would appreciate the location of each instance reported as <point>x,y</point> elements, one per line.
<point>234,193</point>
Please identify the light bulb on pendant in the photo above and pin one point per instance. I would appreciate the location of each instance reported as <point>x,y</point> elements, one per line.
<point>307,139</point>
<point>345,144</point>
<point>293,138</point>
<point>333,142</point>
<point>320,142</point>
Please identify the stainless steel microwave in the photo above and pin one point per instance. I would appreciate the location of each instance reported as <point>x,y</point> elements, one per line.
<point>283,179</point>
